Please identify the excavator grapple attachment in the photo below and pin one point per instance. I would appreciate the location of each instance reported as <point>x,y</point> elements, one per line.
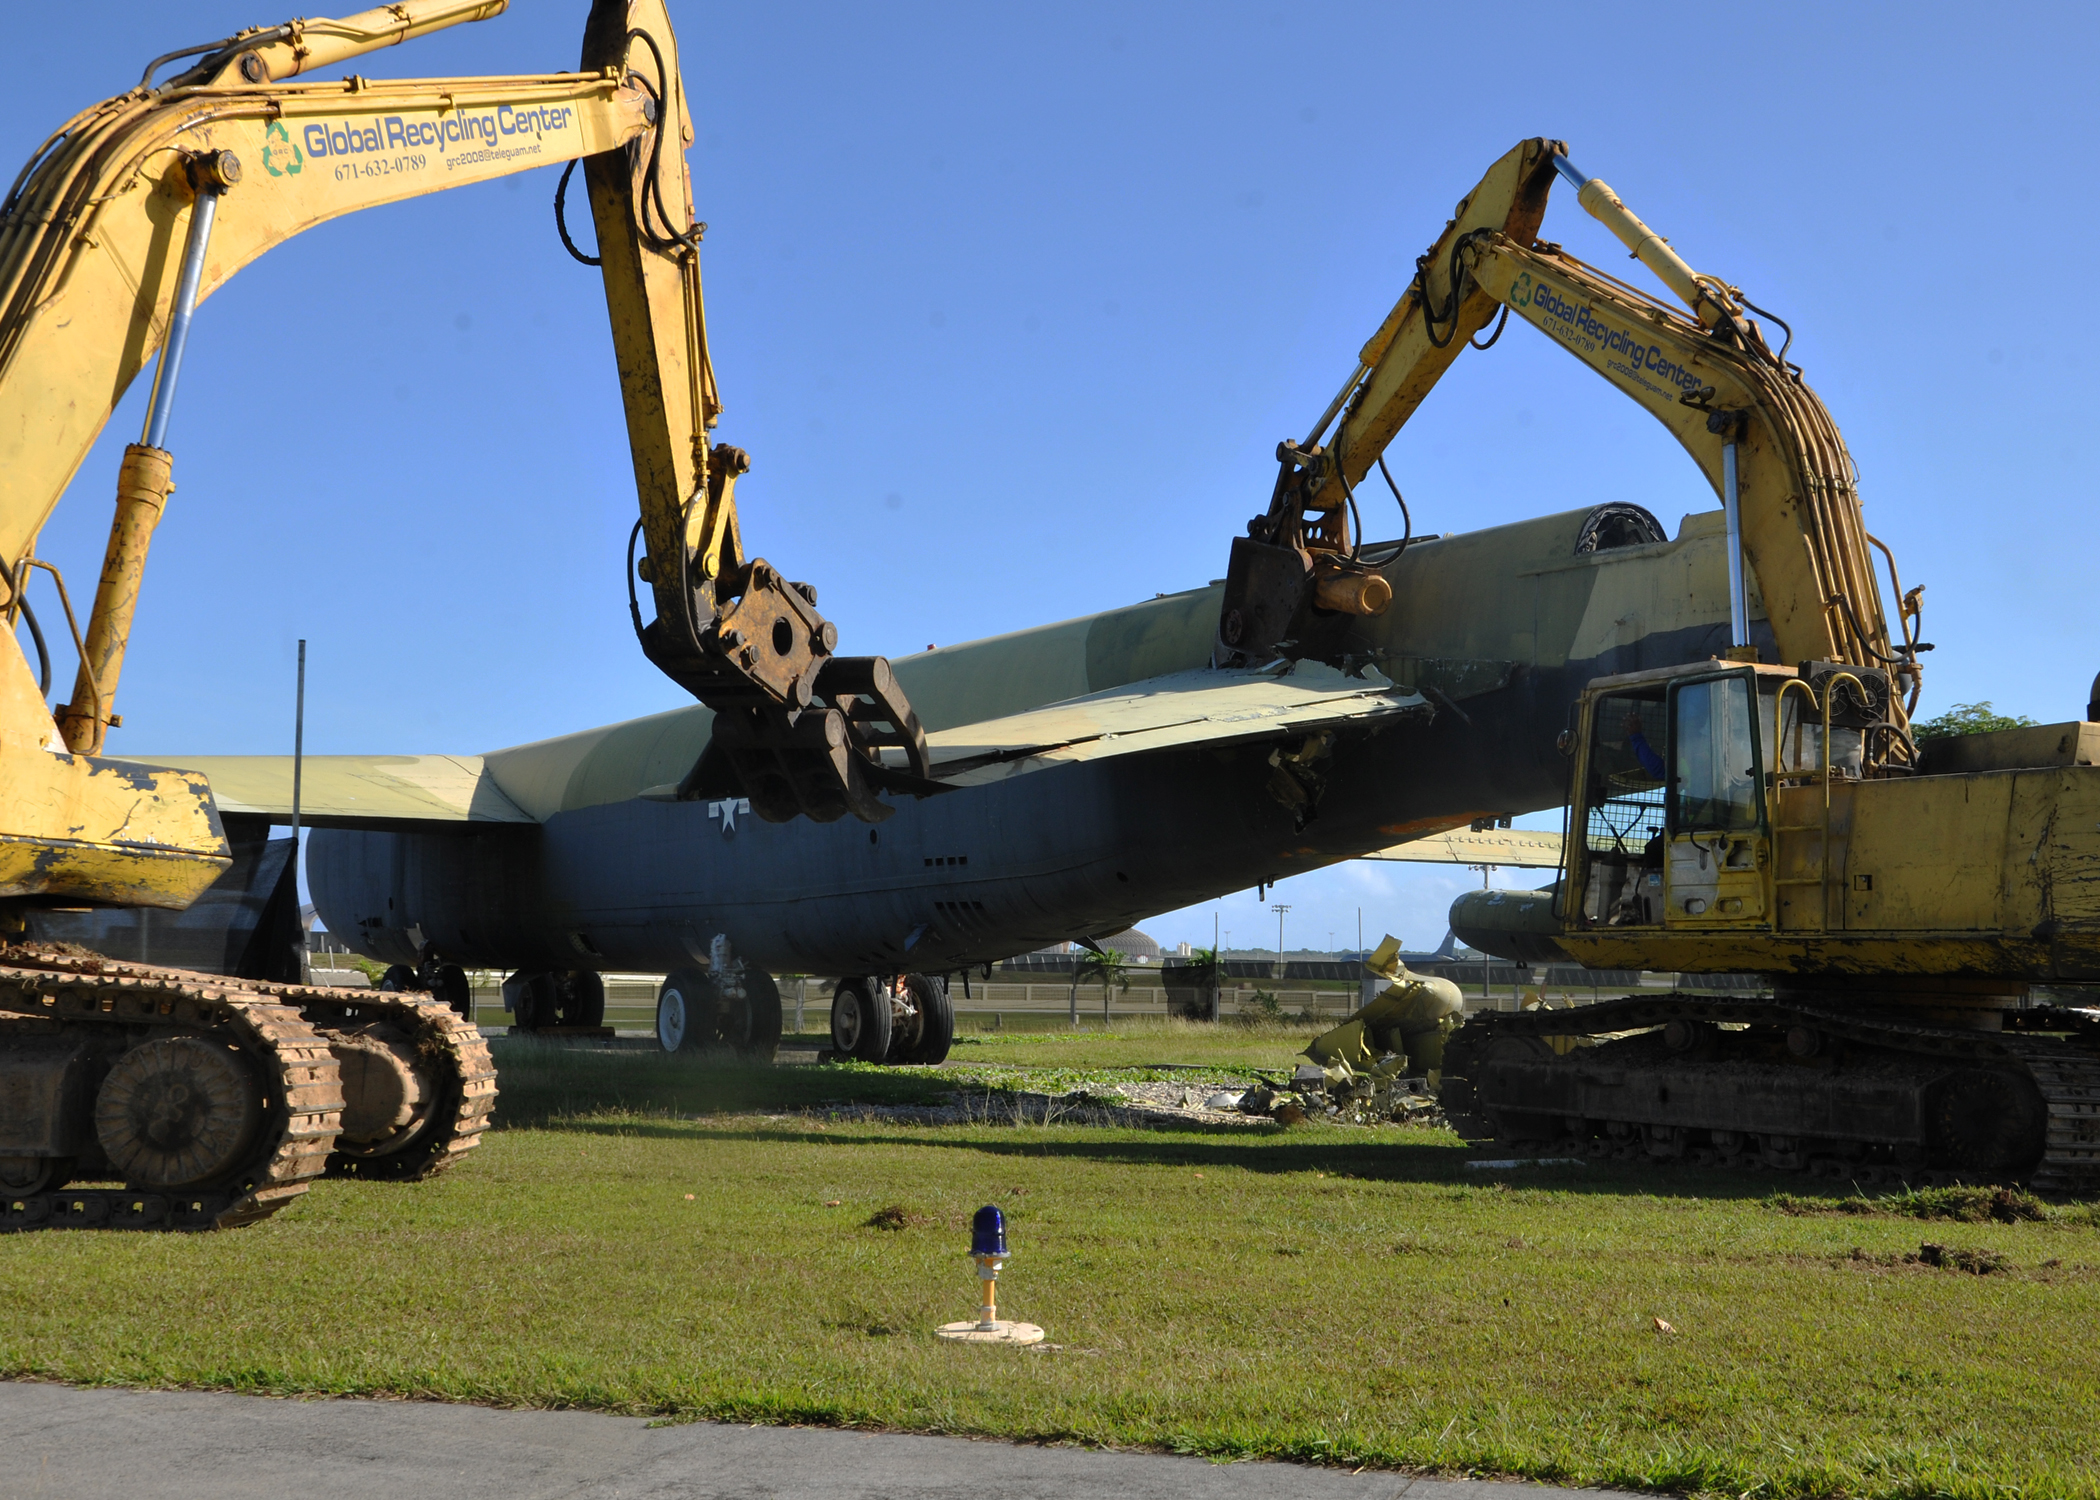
<point>732,632</point>
<point>822,760</point>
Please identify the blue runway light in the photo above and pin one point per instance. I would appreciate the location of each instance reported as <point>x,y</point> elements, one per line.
<point>988,1232</point>
<point>988,1249</point>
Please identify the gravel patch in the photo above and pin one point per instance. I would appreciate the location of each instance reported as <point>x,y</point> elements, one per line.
<point>1129,1105</point>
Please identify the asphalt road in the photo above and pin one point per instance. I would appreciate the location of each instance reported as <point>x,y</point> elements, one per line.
<point>174,1445</point>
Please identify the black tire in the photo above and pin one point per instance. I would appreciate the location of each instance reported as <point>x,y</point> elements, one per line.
<point>581,999</point>
<point>533,1000</point>
<point>936,1019</point>
<point>763,994</point>
<point>450,984</point>
<point>904,1029</point>
<point>398,978</point>
<point>685,1011</point>
<point>860,1020</point>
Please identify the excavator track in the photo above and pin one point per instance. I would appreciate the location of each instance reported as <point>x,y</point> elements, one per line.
<point>297,1036</point>
<point>59,999</point>
<point>2069,1079</point>
<point>1785,1086</point>
<point>466,1077</point>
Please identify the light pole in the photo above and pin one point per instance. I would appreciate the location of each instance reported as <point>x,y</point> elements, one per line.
<point>1217,965</point>
<point>298,766</point>
<point>1279,908</point>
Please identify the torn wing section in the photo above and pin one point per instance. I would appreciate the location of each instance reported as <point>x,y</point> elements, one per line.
<point>1206,706</point>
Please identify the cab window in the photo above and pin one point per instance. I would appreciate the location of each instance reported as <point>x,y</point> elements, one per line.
<point>1626,774</point>
<point>1713,750</point>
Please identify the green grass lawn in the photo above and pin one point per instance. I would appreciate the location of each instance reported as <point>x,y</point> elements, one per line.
<point>1347,1296</point>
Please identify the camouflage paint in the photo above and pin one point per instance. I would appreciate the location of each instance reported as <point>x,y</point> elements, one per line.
<point>1507,622</point>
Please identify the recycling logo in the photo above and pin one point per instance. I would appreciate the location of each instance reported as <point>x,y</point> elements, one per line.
<point>281,154</point>
<point>1519,295</point>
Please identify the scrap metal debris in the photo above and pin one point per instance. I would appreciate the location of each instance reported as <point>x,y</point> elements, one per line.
<point>1384,1062</point>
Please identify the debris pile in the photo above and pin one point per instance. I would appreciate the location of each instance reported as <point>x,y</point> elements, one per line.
<point>1341,1096</point>
<point>1382,1064</point>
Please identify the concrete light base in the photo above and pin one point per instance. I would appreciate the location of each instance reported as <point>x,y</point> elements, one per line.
<point>1000,1332</point>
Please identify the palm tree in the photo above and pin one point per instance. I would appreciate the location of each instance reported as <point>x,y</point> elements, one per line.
<point>1203,968</point>
<point>1105,966</point>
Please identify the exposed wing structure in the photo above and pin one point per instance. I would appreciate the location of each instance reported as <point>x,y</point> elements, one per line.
<point>1514,848</point>
<point>1161,713</point>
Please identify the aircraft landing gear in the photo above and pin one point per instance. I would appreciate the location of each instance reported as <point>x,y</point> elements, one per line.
<point>738,1009</point>
<point>447,984</point>
<point>861,1019</point>
<point>570,1000</point>
<point>899,1020</point>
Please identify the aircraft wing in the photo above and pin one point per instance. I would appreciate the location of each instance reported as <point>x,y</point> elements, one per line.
<point>1162,713</point>
<point>1180,709</point>
<point>356,791</point>
<point>1517,848</point>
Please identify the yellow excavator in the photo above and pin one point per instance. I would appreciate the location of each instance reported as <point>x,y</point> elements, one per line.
<point>213,1101</point>
<point>1768,811</point>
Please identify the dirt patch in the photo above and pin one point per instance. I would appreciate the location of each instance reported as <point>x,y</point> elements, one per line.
<point>1976,1260</point>
<point>1963,1205</point>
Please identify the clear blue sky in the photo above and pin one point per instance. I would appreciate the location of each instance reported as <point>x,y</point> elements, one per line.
<point>1010,306</point>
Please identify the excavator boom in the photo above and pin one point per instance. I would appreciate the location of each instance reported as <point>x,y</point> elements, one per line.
<point>1763,439</point>
<point>131,216</point>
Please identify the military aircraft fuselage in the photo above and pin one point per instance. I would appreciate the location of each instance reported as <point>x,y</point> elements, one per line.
<point>1497,630</point>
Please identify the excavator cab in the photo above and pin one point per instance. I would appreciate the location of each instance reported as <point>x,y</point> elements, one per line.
<point>1673,798</point>
<point>1681,780</point>
<point>1719,833</point>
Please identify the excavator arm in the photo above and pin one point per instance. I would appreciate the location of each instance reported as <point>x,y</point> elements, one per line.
<point>798,729</point>
<point>1761,436</point>
<point>130,216</point>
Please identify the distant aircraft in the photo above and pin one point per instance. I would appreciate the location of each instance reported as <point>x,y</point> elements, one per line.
<point>1101,772</point>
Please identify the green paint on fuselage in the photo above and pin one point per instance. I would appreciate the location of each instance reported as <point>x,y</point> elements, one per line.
<point>1464,608</point>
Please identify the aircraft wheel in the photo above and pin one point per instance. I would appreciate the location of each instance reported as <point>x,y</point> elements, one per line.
<point>936,1026</point>
<point>762,995</point>
<point>534,1000</point>
<point>399,977</point>
<point>580,999</point>
<point>450,985</point>
<point>860,1020</point>
<point>684,1010</point>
